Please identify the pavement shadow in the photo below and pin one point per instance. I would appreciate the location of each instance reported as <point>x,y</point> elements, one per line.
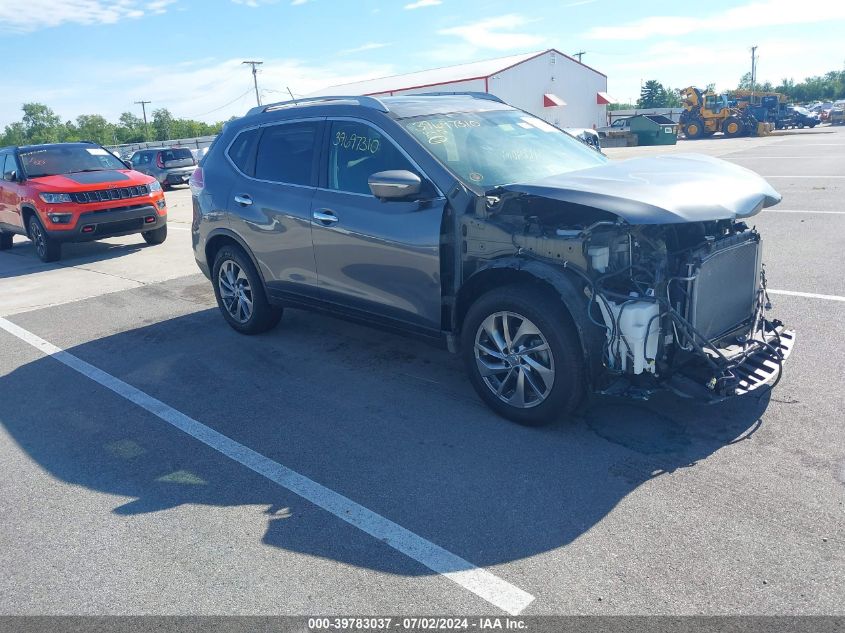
<point>22,259</point>
<point>388,422</point>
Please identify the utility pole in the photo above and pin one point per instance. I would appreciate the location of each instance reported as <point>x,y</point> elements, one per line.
<point>753,68</point>
<point>579,54</point>
<point>254,65</point>
<point>144,110</point>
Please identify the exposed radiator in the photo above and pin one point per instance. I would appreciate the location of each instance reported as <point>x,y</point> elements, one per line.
<point>723,295</point>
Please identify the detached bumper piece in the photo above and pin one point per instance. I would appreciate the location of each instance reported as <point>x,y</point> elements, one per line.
<point>764,366</point>
<point>757,363</point>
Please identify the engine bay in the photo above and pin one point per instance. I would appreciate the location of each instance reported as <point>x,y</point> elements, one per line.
<point>682,298</point>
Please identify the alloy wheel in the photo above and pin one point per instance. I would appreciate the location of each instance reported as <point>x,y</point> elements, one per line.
<point>514,359</point>
<point>235,291</point>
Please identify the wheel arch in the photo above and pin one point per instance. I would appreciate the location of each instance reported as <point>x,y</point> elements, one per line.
<point>220,238</point>
<point>27,211</point>
<point>513,270</point>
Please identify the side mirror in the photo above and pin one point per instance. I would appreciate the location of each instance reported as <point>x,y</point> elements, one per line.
<point>10,176</point>
<point>395,184</point>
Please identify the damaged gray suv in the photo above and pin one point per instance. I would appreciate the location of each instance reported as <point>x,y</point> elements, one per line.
<point>457,218</point>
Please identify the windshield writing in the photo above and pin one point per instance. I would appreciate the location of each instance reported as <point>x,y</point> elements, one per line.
<point>51,161</point>
<point>489,149</point>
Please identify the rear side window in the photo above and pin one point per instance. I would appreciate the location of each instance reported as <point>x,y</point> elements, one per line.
<point>286,153</point>
<point>180,153</point>
<point>242,151</point>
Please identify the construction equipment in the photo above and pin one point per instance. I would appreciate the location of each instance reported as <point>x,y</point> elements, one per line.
<point>706,113</point>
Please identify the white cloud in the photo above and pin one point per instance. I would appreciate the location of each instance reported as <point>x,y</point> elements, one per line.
<point>208,90</point>
<point>419,4</point>
<point>755,15</point>
<point>495,33</point>
<point>25,16</point>
<point>256,3</point>
<point>369,46</point>
<point>295,3</point>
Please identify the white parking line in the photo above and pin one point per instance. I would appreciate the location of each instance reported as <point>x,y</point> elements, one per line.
<point>817,177</point>
<point>178,228</point>
<point>809,295</point>
<point>804,211</point>
<point>481,582</point>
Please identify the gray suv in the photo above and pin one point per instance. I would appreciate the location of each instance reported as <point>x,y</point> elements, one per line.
<point>462,220</point>
<point>169,165</point>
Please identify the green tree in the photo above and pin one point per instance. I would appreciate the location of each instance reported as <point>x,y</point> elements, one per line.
<point>162,124</point>
<point>40,123</point>
<point>94,127</point>
<point>654,95</point>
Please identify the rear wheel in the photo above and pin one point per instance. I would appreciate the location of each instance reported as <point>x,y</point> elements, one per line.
<point>6,241</point>
<point>156,236</point>
<point>240,293</point>
<point>48,249</point>
<point>522,355</point>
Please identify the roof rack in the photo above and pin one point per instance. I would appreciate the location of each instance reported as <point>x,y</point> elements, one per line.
<point>367,102</point>
<point>475,95</point>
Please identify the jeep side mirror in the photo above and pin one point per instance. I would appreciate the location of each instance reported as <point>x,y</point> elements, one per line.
<point>395,184</point>
<point>10,176</point>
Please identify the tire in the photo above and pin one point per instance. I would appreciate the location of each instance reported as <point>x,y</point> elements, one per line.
<point>694,129</point>
<point>47,249</point>
<point>6,240</point>
<point>241,283</point>
<point>733,127</point>
<point>156,236</point>
<point>518,306</point>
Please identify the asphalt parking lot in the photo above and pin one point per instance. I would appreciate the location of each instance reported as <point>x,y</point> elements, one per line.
<point>664,507</point>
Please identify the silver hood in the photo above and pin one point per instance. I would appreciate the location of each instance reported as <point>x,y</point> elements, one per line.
<point>660,190</point>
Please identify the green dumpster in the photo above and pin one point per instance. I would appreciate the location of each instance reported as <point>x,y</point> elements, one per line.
<point>654,129</point>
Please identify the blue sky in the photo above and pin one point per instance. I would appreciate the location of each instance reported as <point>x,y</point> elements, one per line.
<point>98,56</point>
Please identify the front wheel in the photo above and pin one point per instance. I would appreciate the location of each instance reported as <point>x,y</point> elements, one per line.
<point>240,293</point>
<point>522,355</point>
<point>48,249</point>
<point>156,236</point>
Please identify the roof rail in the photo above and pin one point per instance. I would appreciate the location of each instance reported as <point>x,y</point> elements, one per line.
<point>475,95</point>
<point>367,102</point>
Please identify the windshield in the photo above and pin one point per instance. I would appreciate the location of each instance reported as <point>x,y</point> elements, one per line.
<point>50,161</point>
<point>488,149</point>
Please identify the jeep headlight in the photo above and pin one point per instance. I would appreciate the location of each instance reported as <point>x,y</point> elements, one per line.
<point>154,186</point>
<point>55,198</point>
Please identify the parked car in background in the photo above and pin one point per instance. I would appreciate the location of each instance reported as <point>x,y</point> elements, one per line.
<point>619,125</point>
<point>169,165</point>
<point>837,114</point>
<point>801,117</point>
<point>587,136</point>
<point>457,218</point>
<point>75,192</point>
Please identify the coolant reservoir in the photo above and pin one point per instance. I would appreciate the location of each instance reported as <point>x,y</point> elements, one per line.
<point>599,257</point>
<point>636,323</point>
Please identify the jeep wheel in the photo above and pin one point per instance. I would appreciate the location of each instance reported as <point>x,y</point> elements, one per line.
<point>522,355</point>
<point>240,293</point>
<point>156,236</point>
<point>6,240</point>
<point>48,249</point>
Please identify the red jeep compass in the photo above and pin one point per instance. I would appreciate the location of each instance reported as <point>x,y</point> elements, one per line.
<point>74,192</point>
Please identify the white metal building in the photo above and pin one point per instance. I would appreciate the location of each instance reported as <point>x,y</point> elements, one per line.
<point>549,84</point>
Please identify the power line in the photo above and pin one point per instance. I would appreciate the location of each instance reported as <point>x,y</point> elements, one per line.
<point>254,65</point>
<point>143,105</point>
<point>241,96</point>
